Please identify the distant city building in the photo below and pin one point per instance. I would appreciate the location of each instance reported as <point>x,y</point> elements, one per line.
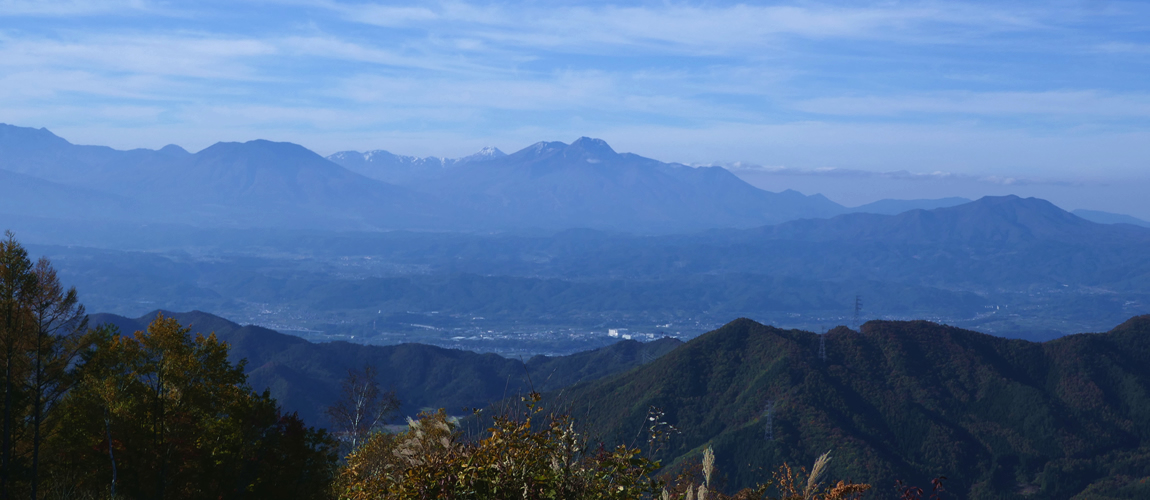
<point>616,332</point>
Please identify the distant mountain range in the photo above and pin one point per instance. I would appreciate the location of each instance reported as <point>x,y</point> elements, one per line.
<point>267,184</point>
<point>406,170</point>
<point>895,207</point>
<point>258,183</point>
<point>1109,218</point>
<point>588,184</point>
<point>549,185</point>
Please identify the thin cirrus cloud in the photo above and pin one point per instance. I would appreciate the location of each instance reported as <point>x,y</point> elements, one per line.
<point>987,103</point>
<point>688,28</point>
<point>69,7</point>
<point>208,57</point>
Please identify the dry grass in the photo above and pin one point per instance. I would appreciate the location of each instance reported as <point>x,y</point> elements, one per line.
<point>786,483</point>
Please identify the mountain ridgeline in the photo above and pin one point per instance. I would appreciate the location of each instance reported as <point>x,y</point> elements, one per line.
<point>550,185</point>
<point>588,184</point>
<point>305,377</point>
<point>914,400</point>
<point>896,399</point>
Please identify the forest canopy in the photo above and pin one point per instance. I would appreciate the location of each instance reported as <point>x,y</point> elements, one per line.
<point>160,413</point>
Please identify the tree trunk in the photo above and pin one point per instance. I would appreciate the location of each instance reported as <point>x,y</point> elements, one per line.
<point>37,391</point>
<point>111,455</point>
<point>160,415</point>
<point>7,441</point>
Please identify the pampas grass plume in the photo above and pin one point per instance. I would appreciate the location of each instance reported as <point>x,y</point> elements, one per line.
<point>819,469</point>
<point>708,465</point>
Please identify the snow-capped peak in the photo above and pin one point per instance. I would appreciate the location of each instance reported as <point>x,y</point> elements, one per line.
<point>490,151</point>
<point>487,153</point>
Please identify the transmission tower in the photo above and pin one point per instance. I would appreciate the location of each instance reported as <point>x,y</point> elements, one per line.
<point>858,309</point>
<point>770,432</point>
<point>823,347</point>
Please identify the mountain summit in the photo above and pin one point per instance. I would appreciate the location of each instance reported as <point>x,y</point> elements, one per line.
<point>591,149</point>
<point>549,185</point>
<point>589,184</point>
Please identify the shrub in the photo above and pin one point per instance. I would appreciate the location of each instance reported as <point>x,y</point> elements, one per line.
<point>536,455</point>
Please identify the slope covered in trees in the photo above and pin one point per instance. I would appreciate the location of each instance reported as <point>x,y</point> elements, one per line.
<point>304,377</point>
<point>1000,418</point>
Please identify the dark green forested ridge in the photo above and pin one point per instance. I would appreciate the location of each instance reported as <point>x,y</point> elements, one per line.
<point>304,377</point>
<point>909,400</point>
<point>1001,418</point>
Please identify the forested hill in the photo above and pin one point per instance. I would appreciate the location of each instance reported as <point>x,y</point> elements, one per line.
<point>914,400</point>
<point>305,377</point>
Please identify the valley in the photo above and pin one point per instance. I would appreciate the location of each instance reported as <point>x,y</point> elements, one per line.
<point>1014,267</point>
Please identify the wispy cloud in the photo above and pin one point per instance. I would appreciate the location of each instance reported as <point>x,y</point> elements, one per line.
<point>11,8</point>
<point>192,55</point>
<point>690,29</point>
<point>1087,102</point>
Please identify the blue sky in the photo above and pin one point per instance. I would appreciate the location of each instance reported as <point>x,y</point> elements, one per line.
<point>987,94</point>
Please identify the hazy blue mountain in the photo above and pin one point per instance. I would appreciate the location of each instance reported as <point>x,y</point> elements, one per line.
<point>405,170</point>
<point>40,153</point>
<point>1109,218</point>
<point>257,183</point>
<point>25,195</point>
<point>895,207</point>
<point>588,184</point>
<point>304,377</point>
<point>992,220</point>
<point>550,185</point>
<point>285,184</point>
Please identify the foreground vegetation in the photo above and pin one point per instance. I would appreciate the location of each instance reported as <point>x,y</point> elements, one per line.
<point>537,455</point>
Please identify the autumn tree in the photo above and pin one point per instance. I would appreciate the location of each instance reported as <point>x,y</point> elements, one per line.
<point>163,414</point>
<point>57,339</point>
<point>17,286</point>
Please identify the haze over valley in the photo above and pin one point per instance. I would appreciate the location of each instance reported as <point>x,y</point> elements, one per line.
<point>546,249</point>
